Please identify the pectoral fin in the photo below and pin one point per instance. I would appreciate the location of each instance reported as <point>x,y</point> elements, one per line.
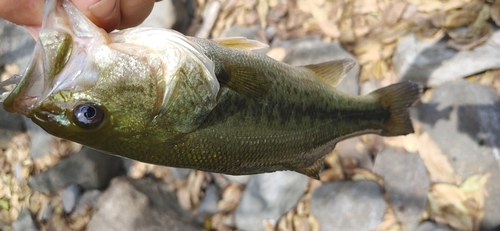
<point>314,169</point>
<point>241,43</point>
<point>332,72</point>
<point>243,79</point>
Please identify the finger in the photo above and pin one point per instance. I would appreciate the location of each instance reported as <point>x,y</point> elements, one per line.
<point>22,12</point>
<point>104,13</point>
<point>134,12</point>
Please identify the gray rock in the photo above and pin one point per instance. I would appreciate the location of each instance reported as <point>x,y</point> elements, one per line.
<point>268,196</point>
<point>141,204</point>
<point>369,86</point>
<point>348,205</point>
<point>11,121</point>
<point>40,140</point>
<point>10,126</point>
<point>25,221</point>
<point>463,118</point>
<point>171,14</point>
<point>314,51</point>
<point>88,200</point>
<point>434,62</point>
<point>347,149</point>
<point>433,226</point>
<point>180,173</point>
<point>239,31</point>
<point>406,183</point>
<point>70,196</point>
<point>18,169</point>
<point>17,45</point>
<point>208,205</point>
<point>88,168</point>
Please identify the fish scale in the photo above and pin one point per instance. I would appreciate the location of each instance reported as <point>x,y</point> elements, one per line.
<point>164,98</point>
<point>246,142</point>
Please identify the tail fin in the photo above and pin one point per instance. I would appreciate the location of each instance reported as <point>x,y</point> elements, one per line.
<point>397,99</point>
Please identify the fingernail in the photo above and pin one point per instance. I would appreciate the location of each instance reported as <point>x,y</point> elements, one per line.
<point>103,8</point>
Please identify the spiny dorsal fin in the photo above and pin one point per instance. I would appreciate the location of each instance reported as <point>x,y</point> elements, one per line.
<point>241,43</point>
<point>314,169</point>
<point>332,72</point>
<point>245,80</point>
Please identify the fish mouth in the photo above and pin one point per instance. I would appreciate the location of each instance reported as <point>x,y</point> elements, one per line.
<point>61,58</point>
<point>25,95</point>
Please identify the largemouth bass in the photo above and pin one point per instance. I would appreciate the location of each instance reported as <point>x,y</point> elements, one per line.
<point>160,97</point>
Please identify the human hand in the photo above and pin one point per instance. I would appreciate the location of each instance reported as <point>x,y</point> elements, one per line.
<point>107,14</point>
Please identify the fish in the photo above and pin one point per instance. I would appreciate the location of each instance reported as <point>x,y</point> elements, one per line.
<point>160,97</point>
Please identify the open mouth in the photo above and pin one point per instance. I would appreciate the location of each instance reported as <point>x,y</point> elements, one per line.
<point>29,87</point>
<point>60,60</point>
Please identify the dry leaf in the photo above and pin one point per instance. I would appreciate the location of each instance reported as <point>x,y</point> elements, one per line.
<point>495,12</point>
<point>277,53</point>
<point>474,187</point>
<point>460,207</point>
<point>475,34</point>
<point>330,28</point>
<point>428,6</point>
<point>457,18</point>
<point>393,13</point>
<point>363,174</point>
<point>394,33</point>
<point>440,170</point>
<point>390,222</point>
<point>365,6</point>
<point>184,198</point>
<point>263,9</point>
<point>446,206</point>
<point>409,142</point>
<point>230,198</point>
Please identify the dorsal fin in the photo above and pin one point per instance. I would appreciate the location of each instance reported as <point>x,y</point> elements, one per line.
<point>314,169</point>
<point>241,43</point>
<point>332,72</point>
<point>243,79</point>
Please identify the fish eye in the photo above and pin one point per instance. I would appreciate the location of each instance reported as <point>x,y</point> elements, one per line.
<point>88,115</point>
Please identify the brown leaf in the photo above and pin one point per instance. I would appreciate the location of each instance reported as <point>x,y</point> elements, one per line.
<point>446,206</point>
<point>184,198</point>
<point>428,6</point>
<point>394,33</point>
<point>435,161</point>
<point>366,7</point>
<point>390,221</point>
<point>409,142</point>
<point>330,29</point>
<point>313,223</point>
<point>460,207</point>
<point>457,18</point>
<point>363,174</point>
<point>277,53</point>
<point>467,39</point>
<point>474,187</point>
<point>263,9</point>
<point>495,12</point>
<point>230,198</point>
<point>393,13</point>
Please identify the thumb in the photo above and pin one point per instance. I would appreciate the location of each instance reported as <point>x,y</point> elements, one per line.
<point>115,14</point>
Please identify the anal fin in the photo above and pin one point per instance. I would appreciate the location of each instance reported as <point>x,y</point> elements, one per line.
<point>313,169</point>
